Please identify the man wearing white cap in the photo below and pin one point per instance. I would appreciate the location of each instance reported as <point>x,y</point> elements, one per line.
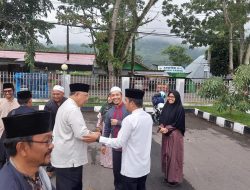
<point>135,138</point>
<point>113,121</point>
<point>52,106</point>
<point>56,101</point>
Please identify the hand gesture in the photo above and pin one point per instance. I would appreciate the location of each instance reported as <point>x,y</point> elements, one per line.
<point>113,122</point>
<point>162,130</point>
<point>103,150</point>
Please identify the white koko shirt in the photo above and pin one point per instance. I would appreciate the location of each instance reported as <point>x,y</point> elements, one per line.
<point>135,138</point>
<point>69,150</point>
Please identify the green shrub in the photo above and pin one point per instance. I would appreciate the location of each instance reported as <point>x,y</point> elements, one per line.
<point>94,99</point>
<point>234,95</point>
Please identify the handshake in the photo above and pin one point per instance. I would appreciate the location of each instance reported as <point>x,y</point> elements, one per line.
<point>92,137</point>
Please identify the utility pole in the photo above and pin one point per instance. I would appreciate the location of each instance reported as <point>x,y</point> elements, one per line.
<point>67,42</point>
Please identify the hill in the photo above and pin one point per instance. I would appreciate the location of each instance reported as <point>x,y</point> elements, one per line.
<point>150,50</point>
<point>74,48</point>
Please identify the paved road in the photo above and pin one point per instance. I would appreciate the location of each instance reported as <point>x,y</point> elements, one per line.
<point>215,159</point>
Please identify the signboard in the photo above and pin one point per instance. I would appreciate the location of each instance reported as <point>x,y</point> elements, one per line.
<point>172,69</point>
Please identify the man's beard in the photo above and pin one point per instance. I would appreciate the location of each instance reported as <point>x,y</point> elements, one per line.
<point>48,153</point>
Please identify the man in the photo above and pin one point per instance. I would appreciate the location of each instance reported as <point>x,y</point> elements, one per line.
<point>29,144</point>
<point>113,121</point>
<point>24,98</point>
<point>70,152</point>
<point>56,101</point>
<point>135,139</point>
<point>7,104</point>
<point>52,106</point>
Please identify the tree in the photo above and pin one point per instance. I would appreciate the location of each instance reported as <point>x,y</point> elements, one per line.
<point>215,20</point>
<point>20,23</point>
<point>177,55</point>
<point>220,57</point>
<point>111,38</point>
<point>112,24</point>
<point>231,95</point>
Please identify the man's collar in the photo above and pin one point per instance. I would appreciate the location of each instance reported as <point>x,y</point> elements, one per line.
<point>10,100</point>
<point>119,105</point>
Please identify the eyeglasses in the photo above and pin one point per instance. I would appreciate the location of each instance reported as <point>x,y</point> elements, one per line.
<point>171,97</point>
<point>49,141</point>
<point>9,91</point>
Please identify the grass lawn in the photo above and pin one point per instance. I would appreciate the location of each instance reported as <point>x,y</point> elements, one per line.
<point>236,116</point>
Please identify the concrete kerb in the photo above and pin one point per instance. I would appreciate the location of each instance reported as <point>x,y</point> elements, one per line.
<point>220,121</point>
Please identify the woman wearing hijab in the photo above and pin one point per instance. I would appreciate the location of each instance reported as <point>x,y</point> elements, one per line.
<point>106,153</point>
<point>172,127</point>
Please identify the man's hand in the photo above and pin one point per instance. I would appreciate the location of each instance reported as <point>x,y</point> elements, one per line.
<point>103,150</point>
<point>92,137</point>
<point>114,121</point>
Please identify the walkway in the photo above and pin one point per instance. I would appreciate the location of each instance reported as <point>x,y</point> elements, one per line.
<point>215,159</point>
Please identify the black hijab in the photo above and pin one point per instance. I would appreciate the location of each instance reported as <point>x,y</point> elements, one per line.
<point>174,114</point>
<point>104,109</point>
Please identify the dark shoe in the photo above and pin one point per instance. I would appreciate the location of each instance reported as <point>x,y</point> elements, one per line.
<point>164,180</point>
<point>173,184</point>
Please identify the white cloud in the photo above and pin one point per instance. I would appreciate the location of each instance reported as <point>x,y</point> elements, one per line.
<point>77,35</point>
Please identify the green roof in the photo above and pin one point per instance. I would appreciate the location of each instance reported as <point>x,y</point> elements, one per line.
<point>178,75</point>
<point>137,67</point>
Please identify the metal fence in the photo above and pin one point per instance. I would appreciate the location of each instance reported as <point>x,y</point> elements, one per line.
<point>41,84</point>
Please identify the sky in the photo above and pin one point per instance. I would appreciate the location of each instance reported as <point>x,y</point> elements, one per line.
<point>78,35</point>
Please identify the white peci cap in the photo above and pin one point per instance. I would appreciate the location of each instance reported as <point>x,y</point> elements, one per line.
<point>59,88</point>
<point>115,88</point>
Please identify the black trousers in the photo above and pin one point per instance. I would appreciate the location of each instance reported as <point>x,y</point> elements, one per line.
<point>134,183</point>
<point>117,160</point>
<point>69,178</point>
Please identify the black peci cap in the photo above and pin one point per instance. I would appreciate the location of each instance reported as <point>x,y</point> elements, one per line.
<point>24,95</point>
<point>29,124</point>
<point>79,87</point>
<point>134,93</point>
<point>8,85</point>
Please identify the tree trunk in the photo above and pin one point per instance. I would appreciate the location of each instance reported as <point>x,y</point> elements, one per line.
<point>132,31</point>
<point>242,45</point>
<point>112,35</point>
<point>133,57</point>
<point>231,65</point>
<point>230,26</point>
<point>209,55</point>
<point>247,56</point>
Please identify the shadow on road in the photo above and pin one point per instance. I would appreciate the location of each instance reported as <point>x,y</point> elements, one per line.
<point>202,124</point>
<point>155,179</point>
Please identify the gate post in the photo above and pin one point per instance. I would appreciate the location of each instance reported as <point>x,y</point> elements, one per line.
<point>180,85</point>
<point>65,84</point>
<point>125,84</point>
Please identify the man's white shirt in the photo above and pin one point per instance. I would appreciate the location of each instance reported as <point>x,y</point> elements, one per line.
<point>135,137</point>
<point>69,150</point>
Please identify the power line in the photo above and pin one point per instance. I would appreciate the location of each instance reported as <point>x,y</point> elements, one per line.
<point>136,32</point>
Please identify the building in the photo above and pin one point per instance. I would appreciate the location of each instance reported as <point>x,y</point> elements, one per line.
<point>199,68</point>
<point>13,61</point>
<point>126,69</point>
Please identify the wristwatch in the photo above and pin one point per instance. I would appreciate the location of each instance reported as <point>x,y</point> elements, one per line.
<point>97,140</point>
